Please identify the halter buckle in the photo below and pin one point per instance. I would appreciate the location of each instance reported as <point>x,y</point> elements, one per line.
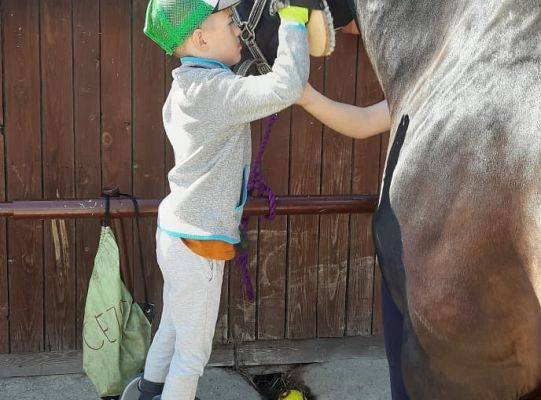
<point>247,34</point>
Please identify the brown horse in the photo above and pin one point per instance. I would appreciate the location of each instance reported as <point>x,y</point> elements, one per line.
<point>458,228</point>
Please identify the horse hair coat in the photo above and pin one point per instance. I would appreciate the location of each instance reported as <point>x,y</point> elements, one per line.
<point>458,228</point>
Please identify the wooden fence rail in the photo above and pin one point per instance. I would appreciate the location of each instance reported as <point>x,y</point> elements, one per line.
<point>95,208</point>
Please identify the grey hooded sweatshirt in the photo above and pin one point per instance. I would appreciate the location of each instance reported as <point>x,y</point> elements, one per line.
<point>207,119</point>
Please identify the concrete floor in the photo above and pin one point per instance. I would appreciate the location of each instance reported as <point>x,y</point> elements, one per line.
<point>353,379</point>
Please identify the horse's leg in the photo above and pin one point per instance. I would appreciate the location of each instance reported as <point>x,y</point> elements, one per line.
<point>424,381</point>
<point>473,323</point>
<point>393,322</point>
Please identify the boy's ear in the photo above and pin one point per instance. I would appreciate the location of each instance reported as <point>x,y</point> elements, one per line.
<point>198,39</point>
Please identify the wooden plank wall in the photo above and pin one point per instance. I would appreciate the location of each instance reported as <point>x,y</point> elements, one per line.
<point>23,158</point>
<point>80,108</point>
<point>87,149</point>
<point>4,304</point>
<point>57,171</point>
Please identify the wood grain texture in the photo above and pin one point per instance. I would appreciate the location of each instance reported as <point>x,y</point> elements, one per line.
<point>305,178</point>
<point>116,112</point>
<point>242,312</point>
<point>4,296</point>
<point>271,279</point>
<point>87,123</point>
<point>317,350</point>
<point>221,333</point>
<point>336,179</point>
<point>24,175</point>
<point>58,171</point>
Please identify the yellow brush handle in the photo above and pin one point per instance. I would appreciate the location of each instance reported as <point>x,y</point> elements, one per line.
<point>294,14</point>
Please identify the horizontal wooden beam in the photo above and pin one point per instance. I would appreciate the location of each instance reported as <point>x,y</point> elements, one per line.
<point>122,207</point>
<point>275,352</point>
<point>246,354</point>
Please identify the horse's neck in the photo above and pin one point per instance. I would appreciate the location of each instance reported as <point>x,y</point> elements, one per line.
<point>402,37</point>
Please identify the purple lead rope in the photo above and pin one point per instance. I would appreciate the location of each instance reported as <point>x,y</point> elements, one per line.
<point>256,187</point>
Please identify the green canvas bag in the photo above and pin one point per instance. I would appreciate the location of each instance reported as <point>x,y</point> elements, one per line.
<point>116,330</point>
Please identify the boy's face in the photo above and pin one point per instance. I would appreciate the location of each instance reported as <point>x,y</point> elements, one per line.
<point>222,37</point>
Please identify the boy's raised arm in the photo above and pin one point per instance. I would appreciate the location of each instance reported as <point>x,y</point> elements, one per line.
<point>246,99</point>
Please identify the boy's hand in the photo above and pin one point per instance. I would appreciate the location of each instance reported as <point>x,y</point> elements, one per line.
<point>294,14</point>
<point>307,96</point>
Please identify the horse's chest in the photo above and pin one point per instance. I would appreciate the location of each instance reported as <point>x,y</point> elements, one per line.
<point>441,233</point>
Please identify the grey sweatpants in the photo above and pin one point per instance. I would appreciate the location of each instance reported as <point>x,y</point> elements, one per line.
<point>191,297</point>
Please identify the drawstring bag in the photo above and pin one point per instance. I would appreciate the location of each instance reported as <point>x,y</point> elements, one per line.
<point>116,330</point>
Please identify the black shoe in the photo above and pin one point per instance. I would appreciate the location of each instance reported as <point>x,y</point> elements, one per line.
<point>149,390</point>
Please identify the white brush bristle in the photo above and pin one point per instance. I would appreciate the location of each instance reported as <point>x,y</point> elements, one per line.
<point>331,31</point>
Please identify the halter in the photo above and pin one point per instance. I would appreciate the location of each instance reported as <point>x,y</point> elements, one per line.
<point>247,35</point>
<point>248,31</point>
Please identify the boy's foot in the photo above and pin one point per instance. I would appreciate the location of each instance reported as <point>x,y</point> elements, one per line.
<point>149,390</point>
<point>159,397</point>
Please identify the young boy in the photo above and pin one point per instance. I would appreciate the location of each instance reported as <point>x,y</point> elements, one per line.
<point>206,118</point>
